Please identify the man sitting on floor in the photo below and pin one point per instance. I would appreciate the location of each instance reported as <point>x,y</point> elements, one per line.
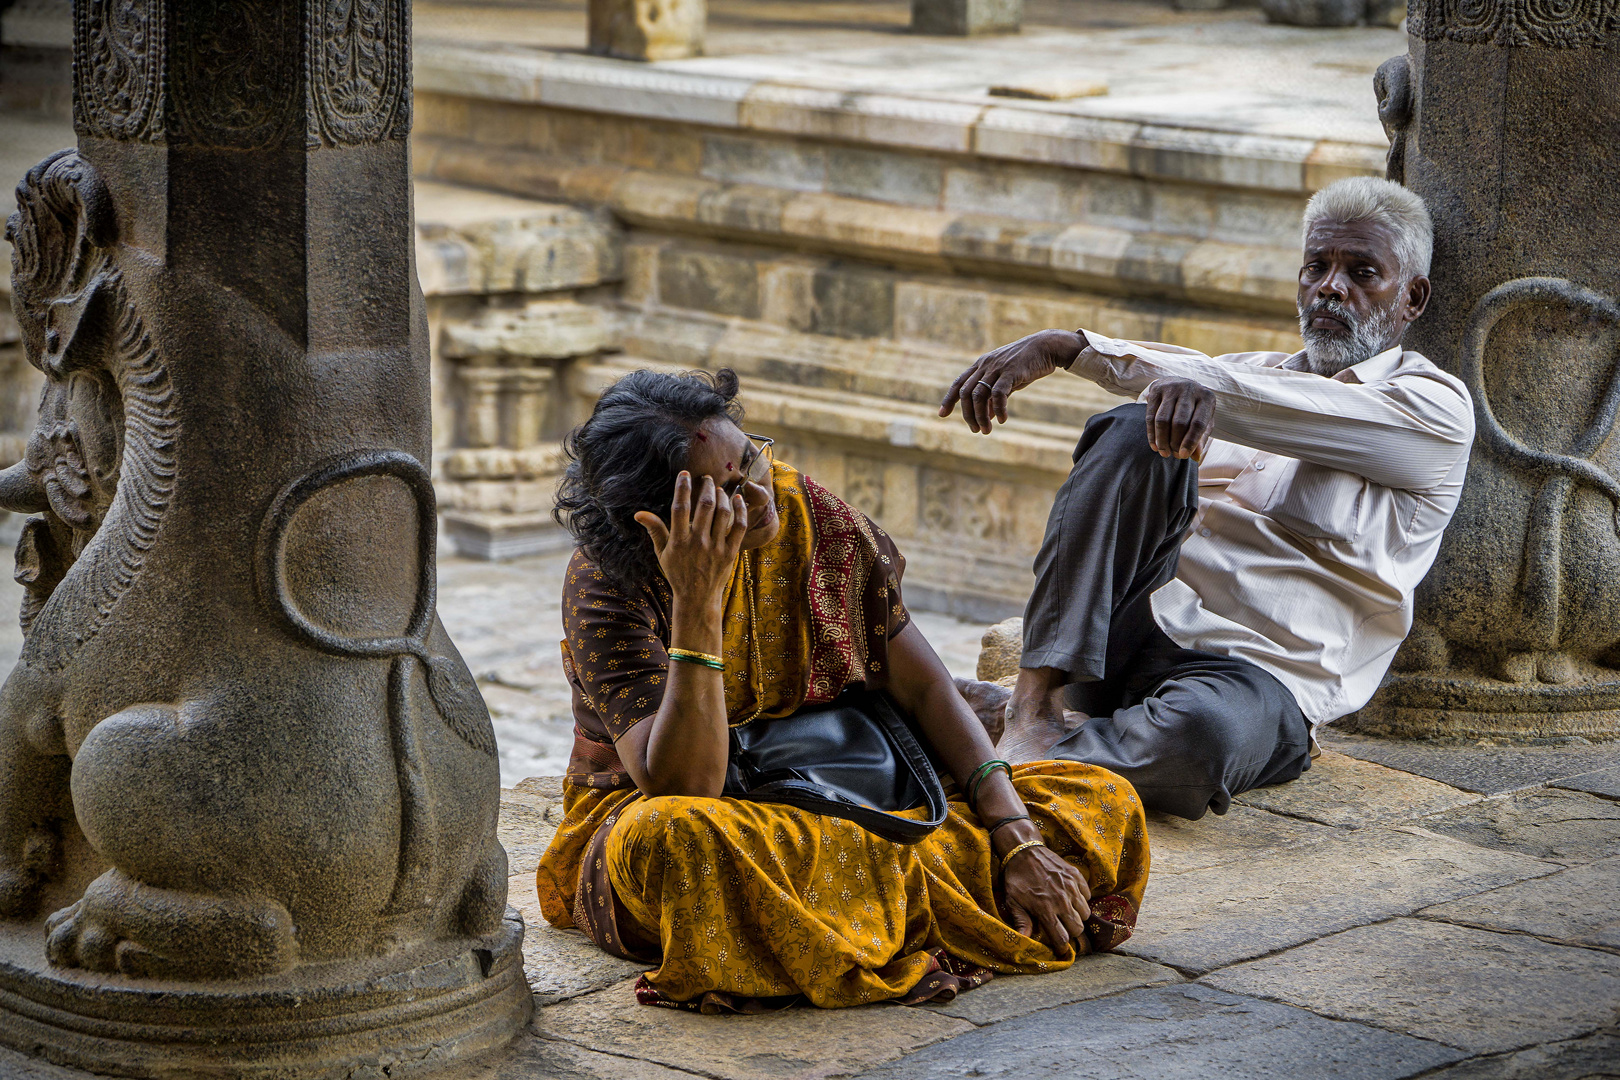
<point>1231,561</point>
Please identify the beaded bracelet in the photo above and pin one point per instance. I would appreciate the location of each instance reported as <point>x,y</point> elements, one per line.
<point>1027,844</point>
<point>1008,820</point>
<point>978,778</point>
<point>708,660</point>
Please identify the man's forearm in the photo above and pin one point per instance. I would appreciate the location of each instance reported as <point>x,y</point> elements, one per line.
<point>1409,439</point>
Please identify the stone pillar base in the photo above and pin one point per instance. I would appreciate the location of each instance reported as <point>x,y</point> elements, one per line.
<point>501,536</point>
<point>1440,707</point>
<point>963,18</point>
<point>460,1001</point>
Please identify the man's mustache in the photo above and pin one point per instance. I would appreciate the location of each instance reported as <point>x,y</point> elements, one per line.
<point>1329,306</point>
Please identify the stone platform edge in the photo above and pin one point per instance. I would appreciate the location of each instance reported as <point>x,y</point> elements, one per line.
<point>949,125</point>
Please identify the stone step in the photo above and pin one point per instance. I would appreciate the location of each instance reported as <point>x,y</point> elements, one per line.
<point>1030,132</point>
<point>831,299</point>
<point>471,242</point>
<point>1108,259</point>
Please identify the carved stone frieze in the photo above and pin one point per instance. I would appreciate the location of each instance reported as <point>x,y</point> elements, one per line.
<point>233,82</point>
<point>1558,24</point>
<point>117,66</point>
<point>359,86</point>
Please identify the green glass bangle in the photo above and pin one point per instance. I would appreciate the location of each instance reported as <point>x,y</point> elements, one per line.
<point>708,660</point>
<point>978,778</point>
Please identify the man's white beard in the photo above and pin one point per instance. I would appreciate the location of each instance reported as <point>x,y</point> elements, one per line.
<point>1328,352</point>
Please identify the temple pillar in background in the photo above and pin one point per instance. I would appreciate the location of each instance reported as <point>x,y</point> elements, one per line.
<point>1505,116</point>
<point>248,788</point>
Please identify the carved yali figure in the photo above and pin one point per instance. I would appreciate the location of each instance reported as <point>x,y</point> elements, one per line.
<point>237,739</point>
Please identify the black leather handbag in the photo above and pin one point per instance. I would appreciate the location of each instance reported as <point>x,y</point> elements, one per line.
<point>855,757</point>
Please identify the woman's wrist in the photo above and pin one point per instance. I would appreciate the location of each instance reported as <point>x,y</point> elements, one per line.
<point>696,626</point>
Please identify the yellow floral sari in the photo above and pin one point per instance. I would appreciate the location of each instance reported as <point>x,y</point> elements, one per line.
<point>736,903</point>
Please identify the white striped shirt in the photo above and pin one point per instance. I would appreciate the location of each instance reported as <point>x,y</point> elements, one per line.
<point>1321,506</point>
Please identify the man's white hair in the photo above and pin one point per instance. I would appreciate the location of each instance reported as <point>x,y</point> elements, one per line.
<point>1371,198</point>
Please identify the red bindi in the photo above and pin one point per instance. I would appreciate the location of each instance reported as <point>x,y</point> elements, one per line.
<point>728,466</point>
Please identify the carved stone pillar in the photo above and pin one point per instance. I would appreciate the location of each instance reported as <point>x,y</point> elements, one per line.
<point>248,789</point>
<point>481,397</point>
<point>1503,117</point>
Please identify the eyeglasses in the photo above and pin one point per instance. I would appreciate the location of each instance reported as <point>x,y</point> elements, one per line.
<point>756,467</point>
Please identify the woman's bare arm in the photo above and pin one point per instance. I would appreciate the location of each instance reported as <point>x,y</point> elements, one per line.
<point>682,748</point>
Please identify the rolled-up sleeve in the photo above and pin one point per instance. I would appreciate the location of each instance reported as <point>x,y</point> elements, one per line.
<point>1405,431</point>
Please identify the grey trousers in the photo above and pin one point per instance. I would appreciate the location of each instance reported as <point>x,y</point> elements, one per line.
<point>1188,729</point>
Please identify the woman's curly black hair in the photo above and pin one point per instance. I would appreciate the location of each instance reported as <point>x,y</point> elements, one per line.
<point>625,458</point>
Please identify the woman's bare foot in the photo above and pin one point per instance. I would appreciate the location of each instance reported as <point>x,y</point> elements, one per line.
<point>1036,719</point>
<point>988,701</point>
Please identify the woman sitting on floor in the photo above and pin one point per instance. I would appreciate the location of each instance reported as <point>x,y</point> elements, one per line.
<point>736,901</point>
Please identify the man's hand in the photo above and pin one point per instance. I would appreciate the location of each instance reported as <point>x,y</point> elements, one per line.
<point>1180,418</point>
<point>983,388</point>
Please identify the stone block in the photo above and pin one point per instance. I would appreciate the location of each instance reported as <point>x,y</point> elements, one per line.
<point>647,29</point>
<point>1095,976</point>
<point>884,176</point>
<point>1199,920</point>
<point>1000,650</point>
<point>1486,768</point>
<point>963,18</point>
<point>787,295</point>
<point>563,964</point>
<point>796,1044</point>
<point>719,283</point>
<point>1340,790</point>
<point>1484,992</point>
<point>1314,12</point>
<point>1173,1033</point>
<point>956,318</point>
<point>543,330</point>
<point>774,162</point>
<point>1562,826</point>
<point>1576,907</point>
<point>851,302</point>
<point>1216,839</point>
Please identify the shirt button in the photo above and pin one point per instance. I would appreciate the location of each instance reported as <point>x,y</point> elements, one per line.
<point>1259,466</point>
<point>1203,532</point>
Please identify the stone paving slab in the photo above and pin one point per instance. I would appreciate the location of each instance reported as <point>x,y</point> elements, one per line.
<point>1605,782</point>
<point>1176,844</point>
<point>796,1044</point>
<point>1346,791</point>
<point>561,964</point>
<point>1592,1057</point>
<point>534,1058</point>
<point>1580,906</point>
<point>1204,919</point>
<point>1473,989</point>
<point>1564,826</point>
<point>1174,1033</point>
<point>1095,976</point>
<point>1487,770</point>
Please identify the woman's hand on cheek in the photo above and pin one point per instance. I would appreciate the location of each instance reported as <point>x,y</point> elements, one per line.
<point>698,548</point>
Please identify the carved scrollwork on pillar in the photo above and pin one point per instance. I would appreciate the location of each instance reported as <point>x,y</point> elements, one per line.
<point>359,83</point>
<point>1559,473</point>
<point>117,68</point>
<point>233,81</point>
<point>1558,24</point>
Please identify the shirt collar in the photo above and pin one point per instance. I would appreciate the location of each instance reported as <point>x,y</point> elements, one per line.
<point>1373,369</point>
<point>1377,368</point>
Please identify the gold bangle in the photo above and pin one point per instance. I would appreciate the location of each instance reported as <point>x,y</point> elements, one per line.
<point>708,660</point>
<point>1026,844</point>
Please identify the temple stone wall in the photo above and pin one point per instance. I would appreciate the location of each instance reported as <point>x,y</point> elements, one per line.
<point>848,254</point>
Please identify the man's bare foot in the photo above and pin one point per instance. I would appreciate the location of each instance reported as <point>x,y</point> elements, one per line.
<point>988,701</point>
<point>1036,719</point>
